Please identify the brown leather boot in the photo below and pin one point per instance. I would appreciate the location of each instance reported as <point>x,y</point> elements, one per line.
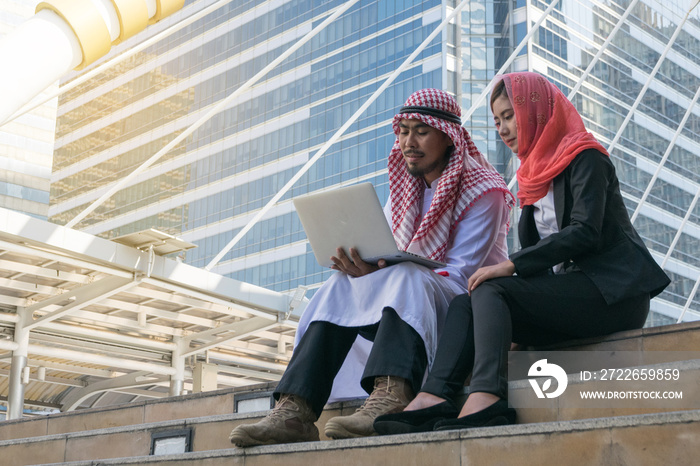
<point>390,395</point>
<point>291,420</point>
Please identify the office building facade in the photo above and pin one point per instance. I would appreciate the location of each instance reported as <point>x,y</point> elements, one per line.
<point>209,187</point>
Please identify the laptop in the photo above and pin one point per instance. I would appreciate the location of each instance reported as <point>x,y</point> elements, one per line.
<point>351,217</point>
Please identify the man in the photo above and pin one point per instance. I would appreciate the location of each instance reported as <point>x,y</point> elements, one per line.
<point>446,202</point>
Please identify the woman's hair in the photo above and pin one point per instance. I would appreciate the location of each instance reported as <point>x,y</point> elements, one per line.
<point>498,90</point>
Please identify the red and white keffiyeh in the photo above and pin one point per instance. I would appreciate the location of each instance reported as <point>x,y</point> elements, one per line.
<point>467,177</point>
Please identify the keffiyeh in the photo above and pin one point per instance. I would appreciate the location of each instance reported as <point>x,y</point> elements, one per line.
<point>467,177</point>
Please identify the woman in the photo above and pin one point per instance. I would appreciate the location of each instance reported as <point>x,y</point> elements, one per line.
<point>583,270</point>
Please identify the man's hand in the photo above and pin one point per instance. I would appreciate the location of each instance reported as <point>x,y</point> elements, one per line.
<point>354,265</point>
<point>504,269</point>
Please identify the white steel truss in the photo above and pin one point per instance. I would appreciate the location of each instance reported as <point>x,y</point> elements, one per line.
<point>81,315</point>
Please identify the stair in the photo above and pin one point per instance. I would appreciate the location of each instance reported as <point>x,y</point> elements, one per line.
<point>651,439</point>
<point>561,433</point>
<point>678,345</point>
<point>150,411</point>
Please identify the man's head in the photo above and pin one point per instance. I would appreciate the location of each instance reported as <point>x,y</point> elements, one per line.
<point>426,127</point>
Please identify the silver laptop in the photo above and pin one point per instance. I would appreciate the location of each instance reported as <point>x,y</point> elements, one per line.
<point>351,217</point>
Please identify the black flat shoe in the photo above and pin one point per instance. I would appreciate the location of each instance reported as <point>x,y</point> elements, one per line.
<point>420,420</point>
<point>498,414</point>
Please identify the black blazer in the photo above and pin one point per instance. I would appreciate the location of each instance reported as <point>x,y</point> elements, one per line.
<point>595,233</point>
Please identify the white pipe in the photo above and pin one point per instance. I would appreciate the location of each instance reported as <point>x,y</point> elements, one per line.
<point>246,361</point>
<point>147,343</point>
<point>33,57</point>
<point>15,398</point>
<point>7,317</point>
<point>18,373</point>
<point>177,378</point>
<point>79,356</point>
<point>52,256</point>
<point>8,345</point>
<point>237,382</point>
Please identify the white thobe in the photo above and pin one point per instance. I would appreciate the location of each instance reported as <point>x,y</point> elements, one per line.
<point>419,295</point>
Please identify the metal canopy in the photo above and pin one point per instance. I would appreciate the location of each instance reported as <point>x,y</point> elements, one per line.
<point>96,322</point>
<point>162,243</point>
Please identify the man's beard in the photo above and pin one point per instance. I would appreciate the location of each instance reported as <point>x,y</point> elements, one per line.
<point>418,172</point>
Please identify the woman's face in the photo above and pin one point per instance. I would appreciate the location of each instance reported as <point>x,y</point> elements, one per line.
<point>504,118</point>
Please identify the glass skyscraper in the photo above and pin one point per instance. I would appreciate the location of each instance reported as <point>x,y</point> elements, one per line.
<point>207,188</point>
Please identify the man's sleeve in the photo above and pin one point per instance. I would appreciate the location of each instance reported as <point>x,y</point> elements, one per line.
<point>479,238</point>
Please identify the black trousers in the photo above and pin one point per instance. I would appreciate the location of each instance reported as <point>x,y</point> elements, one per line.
<point>397,351</point>
<point>536,310</point>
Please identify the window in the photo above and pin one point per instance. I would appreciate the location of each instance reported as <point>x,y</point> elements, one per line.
<point>171,442</point>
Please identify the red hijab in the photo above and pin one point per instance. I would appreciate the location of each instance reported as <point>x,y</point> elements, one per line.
<point>550,133</point>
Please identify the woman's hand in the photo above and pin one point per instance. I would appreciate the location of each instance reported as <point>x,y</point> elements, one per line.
<point>504,269</point>
<point>354,265</point>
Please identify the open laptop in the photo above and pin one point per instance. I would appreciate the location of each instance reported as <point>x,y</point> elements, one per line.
<point>351,217</point>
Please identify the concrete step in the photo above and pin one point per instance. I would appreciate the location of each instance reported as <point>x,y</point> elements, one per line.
<point>210,433</point>
<point>126,431</point>
<point>679,337</point>
<point>149,411</point>
<point>675,337</point>
<point>648,439</point>
<point>617,397</point>
<point>206,433</point>
<point>668,347</point>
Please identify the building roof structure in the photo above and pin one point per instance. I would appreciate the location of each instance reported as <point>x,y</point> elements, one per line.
<point>104,318</point>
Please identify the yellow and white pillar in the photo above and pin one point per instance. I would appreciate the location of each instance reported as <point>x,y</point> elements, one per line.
<point>65,35</point>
